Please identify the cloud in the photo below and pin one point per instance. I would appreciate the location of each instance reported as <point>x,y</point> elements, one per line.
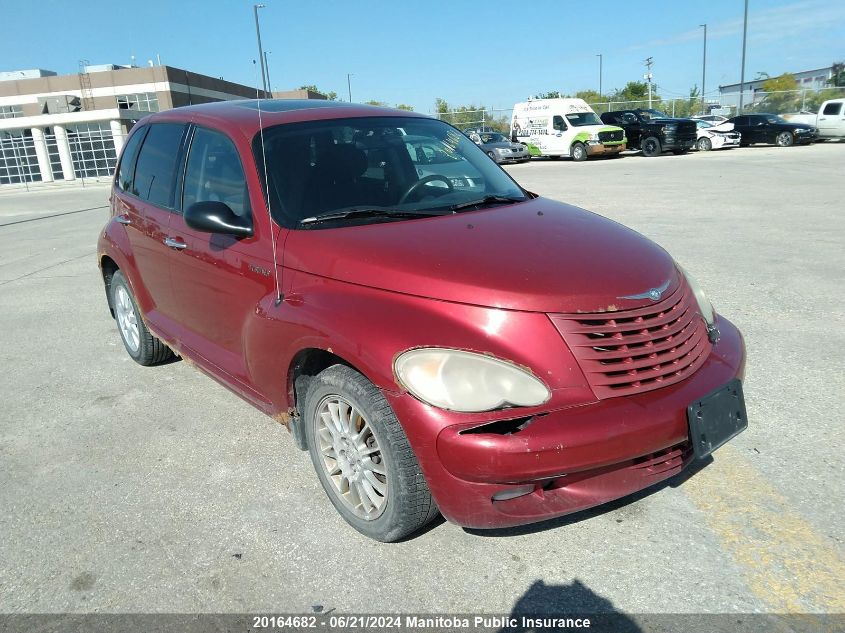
<point>799,19</point>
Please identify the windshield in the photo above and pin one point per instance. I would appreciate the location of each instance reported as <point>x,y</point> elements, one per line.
<point>654,114</point>
<point>375,163</point>
<point>494,138</point>
<point>583,118</point>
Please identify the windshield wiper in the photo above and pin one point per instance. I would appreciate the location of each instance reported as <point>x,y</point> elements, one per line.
<point>365,213</point>
<point>486,200</point>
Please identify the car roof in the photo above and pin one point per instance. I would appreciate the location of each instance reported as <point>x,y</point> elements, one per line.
<point>242,115</point>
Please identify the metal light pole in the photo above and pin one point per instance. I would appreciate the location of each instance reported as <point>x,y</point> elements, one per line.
<point>600,65</point>
<point>267,70</point>
<point>648,77</point>
<point>704,71</point>
<point>742,71</point>
<point>349,85</point>
<point>255,9</point>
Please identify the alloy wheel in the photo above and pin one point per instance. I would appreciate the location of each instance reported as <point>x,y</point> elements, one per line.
<point>127,319</point>
<point>351,457</point>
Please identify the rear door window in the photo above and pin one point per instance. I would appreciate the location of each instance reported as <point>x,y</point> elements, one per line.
<point>832,108</point>
<point>155,172</point>
<point>214,172</point>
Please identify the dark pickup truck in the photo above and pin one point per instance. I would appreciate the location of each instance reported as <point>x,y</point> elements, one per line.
<point>653,131</point>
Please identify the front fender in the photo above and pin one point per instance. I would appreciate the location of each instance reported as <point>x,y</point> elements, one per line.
<point>368,328</point>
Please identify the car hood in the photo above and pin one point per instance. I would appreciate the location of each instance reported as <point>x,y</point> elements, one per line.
<point>537,255</point>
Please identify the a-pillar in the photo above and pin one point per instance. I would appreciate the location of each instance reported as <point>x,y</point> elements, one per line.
<point>64,152</point>
<point>42,154</point>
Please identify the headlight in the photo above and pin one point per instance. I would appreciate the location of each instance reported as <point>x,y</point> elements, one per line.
<point>594,137</point>
<point>503,150</point>
<point>800,130</point>
<point>704,306</point>
<point>466,381</point>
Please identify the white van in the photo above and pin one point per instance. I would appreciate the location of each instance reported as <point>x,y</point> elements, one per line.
<point>564,127</point>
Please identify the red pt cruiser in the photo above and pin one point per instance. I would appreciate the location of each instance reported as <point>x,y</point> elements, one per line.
<point>438,338</point>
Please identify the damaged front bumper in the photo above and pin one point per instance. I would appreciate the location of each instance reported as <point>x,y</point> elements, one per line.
<point>522,470</point>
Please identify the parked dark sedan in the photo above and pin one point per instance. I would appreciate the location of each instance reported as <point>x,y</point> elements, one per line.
<point>770,128</point>
<point>499,147</point>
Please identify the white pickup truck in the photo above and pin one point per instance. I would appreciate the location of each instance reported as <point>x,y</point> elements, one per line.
<point>830,119</point>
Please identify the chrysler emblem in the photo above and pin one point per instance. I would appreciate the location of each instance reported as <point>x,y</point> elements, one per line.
<point>653,293</point>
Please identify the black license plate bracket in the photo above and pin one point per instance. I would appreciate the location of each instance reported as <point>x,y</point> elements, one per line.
<point>717,418</point>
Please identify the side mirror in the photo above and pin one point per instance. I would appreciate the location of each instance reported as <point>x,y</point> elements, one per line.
<point>216,217</point>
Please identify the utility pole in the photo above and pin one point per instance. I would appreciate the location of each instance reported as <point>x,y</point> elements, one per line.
<point>742,71</point>
<point>255,9</point>
<point>600,65</point>
<point>648,76</point>
<point>349,85</point>
<point>704,71</point>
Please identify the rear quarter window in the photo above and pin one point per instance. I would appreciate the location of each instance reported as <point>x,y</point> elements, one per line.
<point>126,169</point>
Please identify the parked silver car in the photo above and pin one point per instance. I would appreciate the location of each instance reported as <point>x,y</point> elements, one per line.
<point>500,148</point>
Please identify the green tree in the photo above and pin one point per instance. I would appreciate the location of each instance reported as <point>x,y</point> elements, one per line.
<point>404,106</point>
<point>782,94</point>
<point>837,74</point>
<point>468,116</point>
<point>593,99</point>
<point>372,102</point>
<point>551,94</point>
<point>635,95</point>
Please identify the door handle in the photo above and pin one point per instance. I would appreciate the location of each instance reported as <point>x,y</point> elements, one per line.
<point>174,243</point>
<point>122,219</point>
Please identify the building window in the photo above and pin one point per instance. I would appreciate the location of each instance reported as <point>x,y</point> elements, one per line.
<point>92,149</point>
<point>18,161</point>
<point>144,101</point>
<point>10,111</point>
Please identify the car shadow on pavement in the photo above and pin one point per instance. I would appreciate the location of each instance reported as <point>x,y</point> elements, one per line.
<point>576,517</point>
<point>577,601</point>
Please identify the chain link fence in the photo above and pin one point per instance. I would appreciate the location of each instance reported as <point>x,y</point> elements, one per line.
<point>727,105</point>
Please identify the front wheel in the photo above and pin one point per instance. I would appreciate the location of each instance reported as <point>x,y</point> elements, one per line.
<point>363,458</point>
<point>651,146</point>
<point>141,345</point>
<point>785,139</point>
<point>492,156</point>
<point>579,152</point>
<point>704,144</point>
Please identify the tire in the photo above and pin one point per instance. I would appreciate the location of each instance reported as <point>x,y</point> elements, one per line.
<point>704,144</point>
<point>785,139</point>
<point>405,506</point>
<point>651,146</point>
<point>492,156</point>
<point>144,348</point>
<point>578,152</point>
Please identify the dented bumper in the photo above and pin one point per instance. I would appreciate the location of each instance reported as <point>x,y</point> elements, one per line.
<point>555,463</point>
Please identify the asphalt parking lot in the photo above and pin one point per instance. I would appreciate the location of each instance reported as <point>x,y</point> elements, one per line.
<point>132,489</point>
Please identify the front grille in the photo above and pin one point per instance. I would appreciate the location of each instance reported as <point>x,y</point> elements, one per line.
<point>687,130</point>
<point>611,135</point>
<point>632,351</point>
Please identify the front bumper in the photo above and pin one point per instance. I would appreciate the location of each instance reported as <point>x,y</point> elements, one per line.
<point>512,157</point>
<point>569,459</point>
<point>598,148</point>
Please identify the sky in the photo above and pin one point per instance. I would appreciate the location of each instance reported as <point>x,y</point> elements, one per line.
<point>491,53</point>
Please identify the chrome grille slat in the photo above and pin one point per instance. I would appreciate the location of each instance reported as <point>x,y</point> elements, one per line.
<point>631,351</point>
